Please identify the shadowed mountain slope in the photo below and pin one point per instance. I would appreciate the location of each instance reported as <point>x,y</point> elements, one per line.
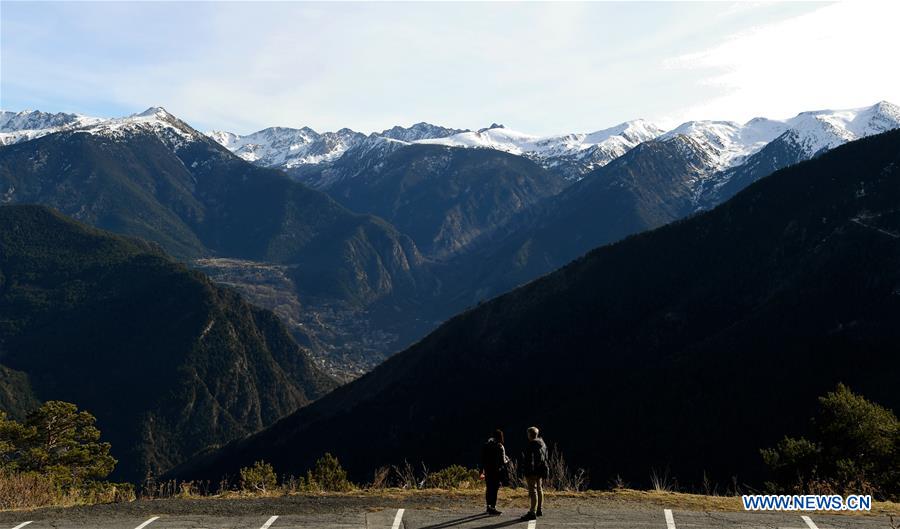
<point>688,347</point>
<point>443,197</point>
<point>167,361</point>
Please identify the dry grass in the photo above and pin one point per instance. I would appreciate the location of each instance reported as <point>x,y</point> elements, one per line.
<point>24,491</point>
<point>28,491</point>
<point>623,497</point>
<point>31,490</point>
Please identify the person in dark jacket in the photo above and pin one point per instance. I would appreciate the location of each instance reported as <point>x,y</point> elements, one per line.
<point>536,470</point>
<point>493,466</point>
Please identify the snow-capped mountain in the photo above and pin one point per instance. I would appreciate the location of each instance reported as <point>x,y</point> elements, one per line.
<point>419,131</point>
<point>729,144</point>
<point>726,144</point>
<point>739,154</point>
<point>572,154</point>
<point>155,120</point>
<point>30,124</point>
<point>584,151</point>
<point>17,127</point>
<point>820,130</point>
<point>290,148</point>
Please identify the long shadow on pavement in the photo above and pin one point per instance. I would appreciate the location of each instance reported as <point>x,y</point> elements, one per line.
<point>458,521</point>
<point>501,524</point>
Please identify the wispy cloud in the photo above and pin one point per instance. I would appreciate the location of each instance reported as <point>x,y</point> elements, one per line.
<point>840,55</point>
<point>540,67</point>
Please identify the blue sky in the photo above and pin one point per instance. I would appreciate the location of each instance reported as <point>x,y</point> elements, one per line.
<point>542,68</point>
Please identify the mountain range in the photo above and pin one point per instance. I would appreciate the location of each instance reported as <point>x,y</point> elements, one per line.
<point>685,348</point>
<point>728,143</point>
<point>288,148</point>
<point>152,176</point>
<point>365,246</point>
<point>364,243</point>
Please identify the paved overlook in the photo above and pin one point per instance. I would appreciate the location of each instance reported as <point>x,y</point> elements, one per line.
<point>424,512</point>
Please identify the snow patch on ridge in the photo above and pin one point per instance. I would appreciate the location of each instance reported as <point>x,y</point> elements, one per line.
<point>155,120</point>
<point>591,150</point>
<point>27,125</point>
<point>729,144</point>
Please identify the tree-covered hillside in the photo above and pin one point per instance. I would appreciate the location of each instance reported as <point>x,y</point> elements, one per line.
<point>167,361</point>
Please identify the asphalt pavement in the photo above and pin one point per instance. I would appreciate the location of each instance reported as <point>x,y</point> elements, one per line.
<point>381,513</point>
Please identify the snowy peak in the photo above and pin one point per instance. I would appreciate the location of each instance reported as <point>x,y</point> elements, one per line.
<point>288,147</point>
<point>34,120</point>
<point>575,153</point>
<point>638,130</point>
<point>158,112</point>
<point>16,127</point>
<point>581,152</point>
<point>493,126</point>
<point>820,130</point>
<point>172,131</point>
<point>27,125</point>
<point>728,143</point>
<point>418,131</point>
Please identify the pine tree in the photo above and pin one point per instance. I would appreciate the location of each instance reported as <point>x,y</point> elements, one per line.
<point>63,442</point>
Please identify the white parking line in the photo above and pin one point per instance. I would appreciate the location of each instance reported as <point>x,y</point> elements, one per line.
<point>148,522</point>
<point>269,522</point>
<point>398,518</point>
<point>809,522</point>
<point>670,521</point>
<point>532,524</point>
<point>21,525</point>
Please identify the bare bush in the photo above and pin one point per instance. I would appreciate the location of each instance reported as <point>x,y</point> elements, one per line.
<point>735,489</point>
<point>662,481</point>
<point>709,488</point>
<point>291,484</point>
<point>515,477</point>
<point>189,489</point>
<point>561,477</point>
<point>618,483</point>
<point>381,478</point>
<point>406,477</point>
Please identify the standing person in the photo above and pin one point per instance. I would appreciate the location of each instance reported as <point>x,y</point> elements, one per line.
<point>536,470</point>
<point>493,465</point>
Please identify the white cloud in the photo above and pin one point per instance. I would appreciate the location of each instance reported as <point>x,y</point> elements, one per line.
<point>542,68</point>
<point>841,55</point>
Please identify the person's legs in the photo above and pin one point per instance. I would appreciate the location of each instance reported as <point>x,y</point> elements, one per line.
<point>533,487</point>
<point>492,485</point>
<point>539,492</point>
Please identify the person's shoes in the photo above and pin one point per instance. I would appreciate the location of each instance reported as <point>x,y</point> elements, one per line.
<point>529,516</point>
<point>493,512</point>
<point>539,512</point>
